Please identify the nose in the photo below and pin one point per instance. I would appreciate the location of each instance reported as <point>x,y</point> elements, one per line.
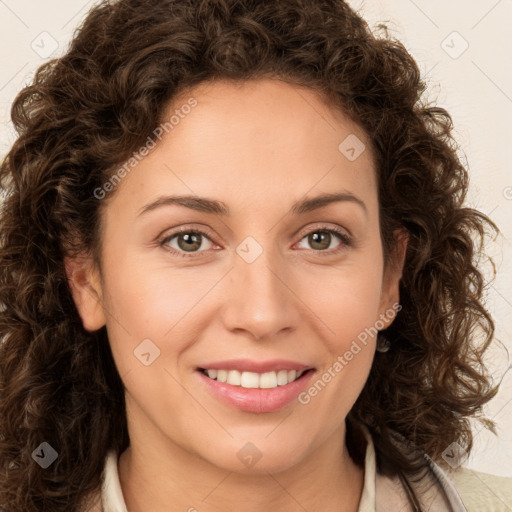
<point>260,297</point>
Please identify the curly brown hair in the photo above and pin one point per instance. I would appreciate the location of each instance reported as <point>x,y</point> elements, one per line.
<point>86,112</point>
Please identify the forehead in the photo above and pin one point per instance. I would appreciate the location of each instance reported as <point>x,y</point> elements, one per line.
<point>252,141</point>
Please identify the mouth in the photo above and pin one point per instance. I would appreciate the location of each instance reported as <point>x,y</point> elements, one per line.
<point>255,391</point>
<point>254,380</point>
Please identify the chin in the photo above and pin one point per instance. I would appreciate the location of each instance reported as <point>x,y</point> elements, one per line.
<point>257,457</point>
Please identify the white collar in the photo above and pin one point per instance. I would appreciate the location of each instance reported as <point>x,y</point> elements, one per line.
<point>112,498</point>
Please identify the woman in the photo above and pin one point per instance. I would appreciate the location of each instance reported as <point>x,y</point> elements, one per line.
<point>237,271</point>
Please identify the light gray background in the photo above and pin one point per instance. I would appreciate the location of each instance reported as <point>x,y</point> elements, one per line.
<point>464,47</point>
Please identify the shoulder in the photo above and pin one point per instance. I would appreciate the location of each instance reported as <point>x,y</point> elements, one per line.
<point>482,492</point>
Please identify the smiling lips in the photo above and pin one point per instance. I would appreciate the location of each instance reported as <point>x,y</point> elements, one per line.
<point>253,386</point>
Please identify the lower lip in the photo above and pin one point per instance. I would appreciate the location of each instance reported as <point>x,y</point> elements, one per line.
<point>256,399</point>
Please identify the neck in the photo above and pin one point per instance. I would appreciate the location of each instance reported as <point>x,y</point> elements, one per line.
<point>171,479</point>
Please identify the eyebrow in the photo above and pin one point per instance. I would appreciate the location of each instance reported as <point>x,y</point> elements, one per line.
<point>206,205</point>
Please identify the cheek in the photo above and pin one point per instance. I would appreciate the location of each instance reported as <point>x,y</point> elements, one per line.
<point>151,325</point>
<point>346,301</point>
<point>347,309</point>
<point>154,301</point>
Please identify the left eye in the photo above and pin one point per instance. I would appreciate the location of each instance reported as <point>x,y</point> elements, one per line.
<point>321,236</point>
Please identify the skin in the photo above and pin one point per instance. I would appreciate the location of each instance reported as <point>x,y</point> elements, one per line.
<point>244,144</point>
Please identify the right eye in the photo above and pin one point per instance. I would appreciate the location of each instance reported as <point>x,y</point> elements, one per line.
<point>188,242</point>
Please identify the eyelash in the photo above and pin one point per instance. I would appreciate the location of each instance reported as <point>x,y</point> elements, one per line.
<point>345,239</point>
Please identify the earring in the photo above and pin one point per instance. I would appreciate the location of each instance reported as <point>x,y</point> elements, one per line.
<point>383,344</point>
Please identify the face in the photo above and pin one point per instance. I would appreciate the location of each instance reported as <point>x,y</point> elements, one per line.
<point>256,285</point>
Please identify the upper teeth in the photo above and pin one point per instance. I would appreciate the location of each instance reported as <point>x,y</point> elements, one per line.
<point>255,380</point>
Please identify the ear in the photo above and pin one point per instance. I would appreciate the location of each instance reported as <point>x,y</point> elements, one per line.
<point>390,293</point>
<point>85,284</point>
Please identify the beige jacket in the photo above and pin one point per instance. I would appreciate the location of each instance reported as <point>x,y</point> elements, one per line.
<point>461,490</point>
